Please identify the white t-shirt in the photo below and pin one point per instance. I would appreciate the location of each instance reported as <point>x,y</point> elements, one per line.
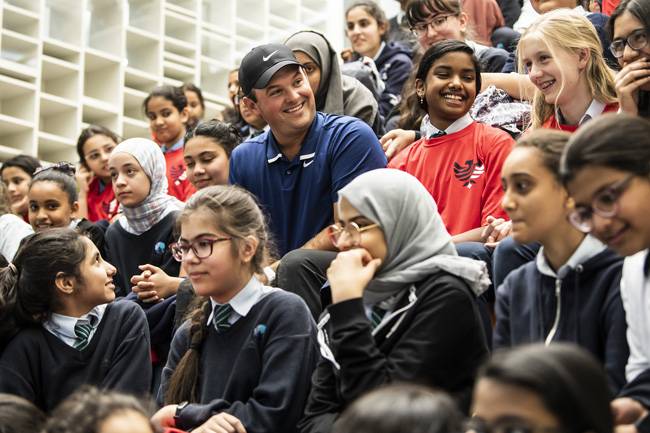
<point>635,293</point>
<point>12,230</point>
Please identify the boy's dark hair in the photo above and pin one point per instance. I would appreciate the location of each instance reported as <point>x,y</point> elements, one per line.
<point>18,415</point>
<point>61,173</point>
<point>27,288</point>
<point>191,87</point>
<point>618,141</point>
<point>86,409</point>
<point>26,163</point>
<point>172,93</point>
<point>640,9</point>
<point>441,49</point>
<point>91,131</point>
<point>224,134</point>
<point>570,383</point>
<point>401,408</point>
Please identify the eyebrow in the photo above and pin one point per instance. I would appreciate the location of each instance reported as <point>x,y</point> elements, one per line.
<point>202,235</point>
<point>355,219</point>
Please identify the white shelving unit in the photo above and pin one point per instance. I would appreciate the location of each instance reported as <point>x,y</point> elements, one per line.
<point>67,63</point>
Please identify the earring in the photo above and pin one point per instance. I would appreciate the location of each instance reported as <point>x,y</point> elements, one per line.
<point>421,100</point>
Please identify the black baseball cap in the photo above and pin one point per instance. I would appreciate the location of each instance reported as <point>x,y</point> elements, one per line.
<point>261,63</point>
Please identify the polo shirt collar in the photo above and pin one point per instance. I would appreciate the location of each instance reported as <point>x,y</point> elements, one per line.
<point>173,147</point>
<point>594,110</point>
<point>429,130</point>
<point>307,149</point>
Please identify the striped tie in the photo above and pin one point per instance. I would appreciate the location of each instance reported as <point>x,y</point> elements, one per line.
<point>82,330</point>
<point>376,315</point>
<point>220,317</point>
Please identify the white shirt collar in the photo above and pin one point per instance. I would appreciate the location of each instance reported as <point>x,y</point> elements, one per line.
<point>582,10</point>
<point>62,326</point>
<point>428,129</point>
<point>594,110</point>
<point>381,48</point>
<point>588,248</point>
<point>246,299</point>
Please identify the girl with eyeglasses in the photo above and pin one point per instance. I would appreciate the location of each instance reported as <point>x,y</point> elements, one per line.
<point>606,169</point>
<point>398,292</point>
<point>367,30</point>
<point>538,389</point>
<point>570,291</point>
<point>243,360</point>
<point>629,28</point>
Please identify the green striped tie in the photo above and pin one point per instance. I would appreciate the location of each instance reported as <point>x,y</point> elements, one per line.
<point>376,316</point>
<point>82,330</point>
<point>220,317</point>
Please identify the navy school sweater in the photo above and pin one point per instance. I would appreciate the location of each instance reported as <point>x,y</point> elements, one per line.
<point>438,342</point>
<point>41,368</point>
<point>128,251</point>
<point>592,314</point>
<point>394,65</point>
<point>259,370</point>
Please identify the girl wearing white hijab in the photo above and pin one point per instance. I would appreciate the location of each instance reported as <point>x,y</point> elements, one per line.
<point>335,93</point>
<point>139,240</point>
<point>403,303</point>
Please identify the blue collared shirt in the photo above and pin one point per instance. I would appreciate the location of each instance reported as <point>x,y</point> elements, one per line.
<point>246,299</point>
<point>298,195</point>
<point>178,145</point>
<point>63,326</point>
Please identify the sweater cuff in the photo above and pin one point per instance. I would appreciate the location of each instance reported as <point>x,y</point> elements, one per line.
<point>347,313</point>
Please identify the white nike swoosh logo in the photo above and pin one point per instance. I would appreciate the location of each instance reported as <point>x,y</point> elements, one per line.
<point>266,58</point>
<point>307,164</point>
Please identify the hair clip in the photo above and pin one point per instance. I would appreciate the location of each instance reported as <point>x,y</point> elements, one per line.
<point>62,166</point>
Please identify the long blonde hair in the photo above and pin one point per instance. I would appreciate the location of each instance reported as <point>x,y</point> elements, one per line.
<point>568,30</point>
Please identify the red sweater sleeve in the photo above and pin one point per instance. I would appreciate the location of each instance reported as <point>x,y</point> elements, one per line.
<point>495,150</point>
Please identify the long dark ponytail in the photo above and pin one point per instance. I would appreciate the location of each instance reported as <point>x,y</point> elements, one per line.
<point>27,286</point>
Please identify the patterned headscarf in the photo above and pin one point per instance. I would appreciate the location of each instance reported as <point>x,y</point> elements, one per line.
<point>140,218</point>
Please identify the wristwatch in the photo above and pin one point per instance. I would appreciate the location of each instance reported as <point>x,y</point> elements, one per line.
<point>177,415</point>
<point>643,425</point>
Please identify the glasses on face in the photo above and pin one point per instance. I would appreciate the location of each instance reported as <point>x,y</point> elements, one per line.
<point>636,40</point>
<point>351,229</point>
<point>514,425</point>
<point>605,204</point>
<point>202,248</point>
<point>437,23</point>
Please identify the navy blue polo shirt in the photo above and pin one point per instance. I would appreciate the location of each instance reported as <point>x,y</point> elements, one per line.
<point>298,195</point>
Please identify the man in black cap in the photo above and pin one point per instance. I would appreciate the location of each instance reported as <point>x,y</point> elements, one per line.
<point>297,167</point>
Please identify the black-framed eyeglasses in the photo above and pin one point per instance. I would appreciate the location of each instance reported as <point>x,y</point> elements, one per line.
<point>636,40</point>
<point>437,23</point>
<point>202,248</point>
<point>604,204</point>
<point>353,231</point>
<point>507,425</point>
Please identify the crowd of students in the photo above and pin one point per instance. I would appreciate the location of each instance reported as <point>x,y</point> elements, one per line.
<point>423,233</point>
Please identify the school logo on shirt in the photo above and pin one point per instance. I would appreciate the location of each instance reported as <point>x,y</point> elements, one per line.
<point>468,173</point>
<point>177,171</point>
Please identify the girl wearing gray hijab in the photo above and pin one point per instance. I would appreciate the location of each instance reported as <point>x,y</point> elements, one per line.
<point>403,302</point>
<point>335,93</point>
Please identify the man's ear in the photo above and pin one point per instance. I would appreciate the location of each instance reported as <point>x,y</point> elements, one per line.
<point>64,283</point>
<point>248,248</point>
<point>251,105</point>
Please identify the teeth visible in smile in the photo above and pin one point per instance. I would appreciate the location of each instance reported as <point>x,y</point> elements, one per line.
<point>294,109</point>
<point>453,97</point>
<point>545,85</point>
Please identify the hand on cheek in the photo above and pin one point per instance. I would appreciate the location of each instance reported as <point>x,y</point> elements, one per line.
<point>350,272</point>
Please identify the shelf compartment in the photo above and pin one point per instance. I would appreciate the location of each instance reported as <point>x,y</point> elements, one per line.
<point>250,12</point>
<point>58,116</point>
<point>214,78</point>
<point>20,20</point>
<point>102,79</point>
<point>219,16</point>
<point>215,46</point>
<point>7,152</point>
<point>285,8</point>
<point>178,47</point>
<point>172,82</point>
<point>63,11</point>
<point>243,46</point>
<point>49,143</point>
<point>143,51</point>
<point>180,27</point>
<point>189,62</point>
<point>17,99</point>
<point>249,30</point>
<point>27,5</point>
<point>178,72</point>
<point>19,50</point>
<point>133,100</point>
<point>213,110</point>
<point>61,50</point>
<point>134,128</point>
<point>54,148</point>
<point>145,15</point>
<point>105,25</point>
<point>185,7</point>
<point>60,78</point>
<point>97,113</point>
<point>139,80</point>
